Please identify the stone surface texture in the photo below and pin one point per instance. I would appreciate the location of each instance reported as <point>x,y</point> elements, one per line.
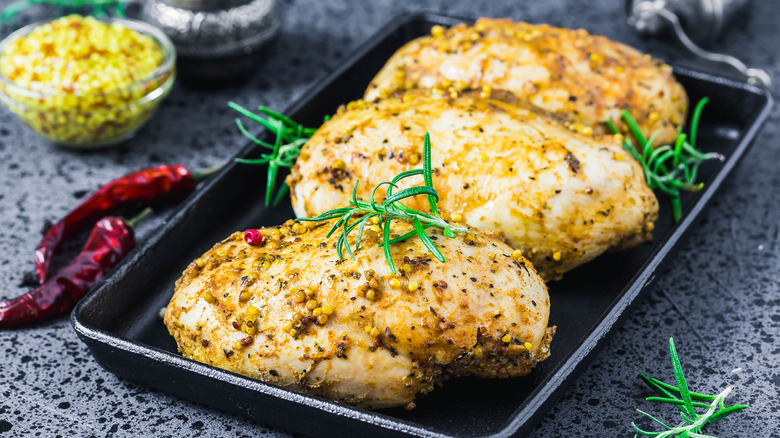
<point>719,297</point>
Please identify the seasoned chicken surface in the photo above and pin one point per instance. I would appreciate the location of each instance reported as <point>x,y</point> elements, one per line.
<point>289,312</point>
<point>585,78</point>
<point>560,196</point>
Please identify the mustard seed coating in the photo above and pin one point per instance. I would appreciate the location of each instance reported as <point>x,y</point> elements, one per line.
<point>374,353</point>
<point>559,197</point>
<point>585,79</point>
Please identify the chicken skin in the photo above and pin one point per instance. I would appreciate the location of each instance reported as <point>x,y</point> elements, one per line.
<point>584,78</point>
<point>291,313</point>
<point>560,196</point>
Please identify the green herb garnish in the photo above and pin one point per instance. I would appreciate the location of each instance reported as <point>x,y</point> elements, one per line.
<point>99,8</point>
<point>669,168</point>
<point>290,138</point>
<point>687,402</point>
<point>391,209</point>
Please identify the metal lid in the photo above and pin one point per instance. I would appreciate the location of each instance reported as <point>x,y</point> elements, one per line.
<point>216,33</point>
<point>205,5</point>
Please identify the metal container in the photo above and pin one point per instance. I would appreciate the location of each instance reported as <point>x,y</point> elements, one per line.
<point>206,5</point>
<point>703,20</point>
<point>217,40</point>
<point>693,24</point>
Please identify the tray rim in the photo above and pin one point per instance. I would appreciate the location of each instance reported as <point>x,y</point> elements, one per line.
<point>547,393</point>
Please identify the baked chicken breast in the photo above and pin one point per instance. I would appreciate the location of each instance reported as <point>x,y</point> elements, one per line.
<point>289,312</point>
<point>584,78</point>
<point>560,196</point>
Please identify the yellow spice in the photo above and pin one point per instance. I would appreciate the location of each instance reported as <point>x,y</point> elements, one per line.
<point>91,76</point>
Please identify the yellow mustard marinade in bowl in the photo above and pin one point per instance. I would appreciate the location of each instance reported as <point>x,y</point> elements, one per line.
<point>84,81</point>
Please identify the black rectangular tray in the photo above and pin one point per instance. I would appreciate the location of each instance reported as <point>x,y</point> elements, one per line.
<point>119,321</point>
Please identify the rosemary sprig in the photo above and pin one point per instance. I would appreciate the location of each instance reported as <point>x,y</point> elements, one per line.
<point>392,208</point>
<point>100,8</point>
<point>687,402</point>
<point>290,138</point>
<point>669,168</point>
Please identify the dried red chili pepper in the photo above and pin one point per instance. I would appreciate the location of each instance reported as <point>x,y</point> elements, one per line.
<point>111,239</point>
<point>156,186</point>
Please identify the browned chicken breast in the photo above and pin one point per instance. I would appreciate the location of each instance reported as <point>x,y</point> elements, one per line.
<point>289,312</point>
<point>586,79</point>
<point>561,197</point>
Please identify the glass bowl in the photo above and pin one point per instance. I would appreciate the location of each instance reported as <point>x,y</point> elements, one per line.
<point>93,119</point>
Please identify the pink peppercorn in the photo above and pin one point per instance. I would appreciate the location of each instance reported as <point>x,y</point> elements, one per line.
<point>253,237</point>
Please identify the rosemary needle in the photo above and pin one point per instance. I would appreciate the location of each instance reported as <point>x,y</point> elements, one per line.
<point>99,8</point>
<point>687,401</point>
<point>289,139</point>
<point>669,168</point>
<point>392,208</point>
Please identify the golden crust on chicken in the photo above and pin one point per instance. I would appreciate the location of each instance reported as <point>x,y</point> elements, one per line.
<point>290,312</point>
<point>560,196</point>
<point>584,78</point>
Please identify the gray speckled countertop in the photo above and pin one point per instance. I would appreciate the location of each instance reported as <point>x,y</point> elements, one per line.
<point>720,297</point>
